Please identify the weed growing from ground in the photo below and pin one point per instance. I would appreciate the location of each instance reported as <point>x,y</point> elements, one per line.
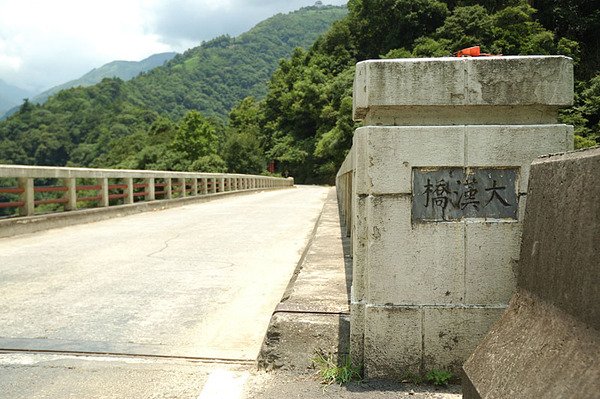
<point>331,371</point>
<point>439,377</point>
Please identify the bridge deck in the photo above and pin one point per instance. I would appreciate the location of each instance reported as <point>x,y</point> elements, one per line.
<point>198,281</point>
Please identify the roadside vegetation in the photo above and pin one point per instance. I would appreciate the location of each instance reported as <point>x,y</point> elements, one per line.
<point>335,370</point>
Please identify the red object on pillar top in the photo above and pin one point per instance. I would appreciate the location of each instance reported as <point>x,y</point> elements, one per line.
<point>474,51</point>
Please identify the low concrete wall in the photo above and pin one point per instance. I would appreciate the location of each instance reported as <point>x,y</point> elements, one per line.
<point>547,344</point>
<point>138,190</point>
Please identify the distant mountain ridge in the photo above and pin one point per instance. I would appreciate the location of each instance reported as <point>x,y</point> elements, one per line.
<point>214,76</point>
<point>124,70</point>
<point>11,96</point>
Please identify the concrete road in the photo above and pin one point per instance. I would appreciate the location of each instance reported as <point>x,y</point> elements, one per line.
<point>59,376</point>
<point>199,281</point>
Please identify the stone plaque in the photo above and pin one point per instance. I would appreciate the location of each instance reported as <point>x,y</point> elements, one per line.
<point>453,194</point>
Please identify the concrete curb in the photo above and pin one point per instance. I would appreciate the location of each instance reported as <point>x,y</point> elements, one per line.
<point>313,314</point>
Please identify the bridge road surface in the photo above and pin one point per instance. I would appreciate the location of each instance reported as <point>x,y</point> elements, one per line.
<point>131,306</point>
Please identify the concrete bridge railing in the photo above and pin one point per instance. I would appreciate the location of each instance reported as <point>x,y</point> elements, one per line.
<point>29,190</point>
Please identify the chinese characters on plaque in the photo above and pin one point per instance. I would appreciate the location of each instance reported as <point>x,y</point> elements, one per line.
<point>451,194</point>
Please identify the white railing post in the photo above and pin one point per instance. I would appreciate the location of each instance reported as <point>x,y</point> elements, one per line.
<point>195,187</point>
<point>129,199</point>
<point>168,188</point>
<point>183,187</point>
<point>71,194</point>
<point>104,200</point>
<point>27,196</point>
<point>150,189</point>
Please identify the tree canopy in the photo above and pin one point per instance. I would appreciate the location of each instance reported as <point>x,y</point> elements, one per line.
<point>306,116</point>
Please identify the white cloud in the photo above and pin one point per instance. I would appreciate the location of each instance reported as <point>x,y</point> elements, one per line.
<point>47,42</point>
<point>9,63</point>
<point>56,41</point>
<point>188,22</point>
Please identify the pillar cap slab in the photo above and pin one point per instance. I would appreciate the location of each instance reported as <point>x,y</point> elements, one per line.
<point>534,81</point>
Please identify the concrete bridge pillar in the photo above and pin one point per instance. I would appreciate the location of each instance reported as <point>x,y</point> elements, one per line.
<point>439,185</point>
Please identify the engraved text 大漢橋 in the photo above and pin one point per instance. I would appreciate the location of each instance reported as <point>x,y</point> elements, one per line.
<point>452,194</point>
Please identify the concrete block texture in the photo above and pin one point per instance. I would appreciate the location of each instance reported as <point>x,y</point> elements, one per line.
<point>431,277</point>
<point>473,262</point>
<point>547,344</point>
<point>526,81</point>
<point>361,162</point>
<point>491,261</point>
<point>357,334</point>
<point>293,339</point>
<point>561,241</point>
<point>360,254</point>
<point>461,115</point>
<point>392,344</point>
<point>515,145</point>
<point>392,152</point>
<point>387,154</point>
<point>412,265</point>
<point>535,350</point>
<point>400,341</point>
<point>451,334</point>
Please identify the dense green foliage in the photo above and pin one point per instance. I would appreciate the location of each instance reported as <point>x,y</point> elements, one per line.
<point>164,118</point>
<point>305,119</point>
<point>302,118</point>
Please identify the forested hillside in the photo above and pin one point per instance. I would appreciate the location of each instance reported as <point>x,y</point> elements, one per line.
<point>116,69</point>
<point>305,121</point>
<point>137,124</point>
<point>171,117</point>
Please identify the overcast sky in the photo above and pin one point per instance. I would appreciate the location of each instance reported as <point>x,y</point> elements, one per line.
<point>47,42</point>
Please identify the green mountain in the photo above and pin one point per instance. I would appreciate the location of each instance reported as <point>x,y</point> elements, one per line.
<point>211,78</point>
<point>10,96</point>
<point>152,120</point>
<point>124,70</point>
